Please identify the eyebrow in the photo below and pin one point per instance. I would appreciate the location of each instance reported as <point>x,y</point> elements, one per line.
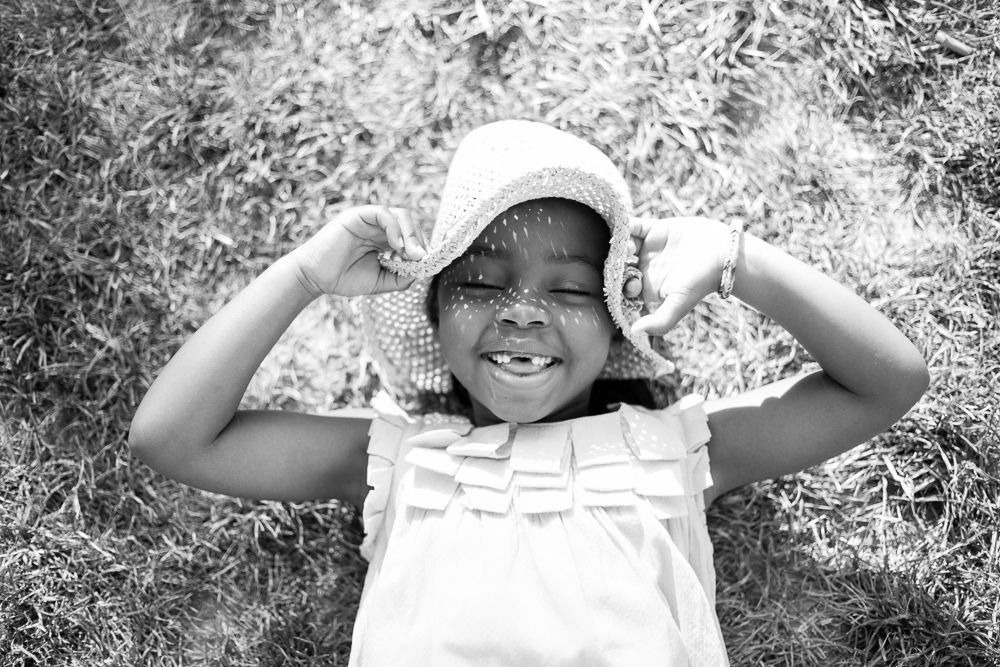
<point>560,258</point>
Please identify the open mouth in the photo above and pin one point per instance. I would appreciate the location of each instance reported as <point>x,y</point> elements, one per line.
<point>522,364</point>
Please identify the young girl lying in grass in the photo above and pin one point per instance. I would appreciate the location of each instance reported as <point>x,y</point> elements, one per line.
<point>559,524</point>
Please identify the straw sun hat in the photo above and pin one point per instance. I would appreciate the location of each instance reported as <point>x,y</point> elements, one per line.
<point>495,167</point>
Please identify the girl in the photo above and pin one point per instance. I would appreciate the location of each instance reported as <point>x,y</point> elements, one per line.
<point>557,524</point>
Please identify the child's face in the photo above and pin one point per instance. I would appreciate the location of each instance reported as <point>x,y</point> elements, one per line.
<point>522,319</point>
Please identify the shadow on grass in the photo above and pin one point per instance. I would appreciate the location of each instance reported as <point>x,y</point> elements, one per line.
<point>780,603</point>
<point>247,583</point>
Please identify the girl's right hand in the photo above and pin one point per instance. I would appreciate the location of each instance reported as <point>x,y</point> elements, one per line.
<point>342,257</point>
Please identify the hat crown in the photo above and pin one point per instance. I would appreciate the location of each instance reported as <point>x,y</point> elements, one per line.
<point>493,156</point>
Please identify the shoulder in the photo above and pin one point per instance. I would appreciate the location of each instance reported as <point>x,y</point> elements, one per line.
<point>685,423</point>
<point>687,415</point>
<point>391,424</point>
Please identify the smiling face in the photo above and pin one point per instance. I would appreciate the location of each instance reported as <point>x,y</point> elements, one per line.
<point>521,315</point>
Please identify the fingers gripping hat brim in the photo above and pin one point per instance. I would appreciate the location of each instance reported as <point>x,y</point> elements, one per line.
<point>495,167</point>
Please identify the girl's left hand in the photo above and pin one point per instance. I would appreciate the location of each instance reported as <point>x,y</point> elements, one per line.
<point>681,262</point>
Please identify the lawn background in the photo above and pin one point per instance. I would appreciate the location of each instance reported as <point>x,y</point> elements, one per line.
<point>155,156</point>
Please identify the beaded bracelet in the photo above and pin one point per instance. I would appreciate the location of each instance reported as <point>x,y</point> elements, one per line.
<point>729,268</point>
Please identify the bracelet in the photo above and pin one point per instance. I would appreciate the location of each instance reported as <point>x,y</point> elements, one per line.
<point>729,268</point>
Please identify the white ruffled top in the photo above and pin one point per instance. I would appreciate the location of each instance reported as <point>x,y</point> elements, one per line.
<point>571,543</point>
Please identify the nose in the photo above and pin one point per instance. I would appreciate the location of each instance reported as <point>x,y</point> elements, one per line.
<point>523,308</point>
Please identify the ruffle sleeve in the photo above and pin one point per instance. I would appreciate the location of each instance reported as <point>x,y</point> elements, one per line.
<point>384,436</point>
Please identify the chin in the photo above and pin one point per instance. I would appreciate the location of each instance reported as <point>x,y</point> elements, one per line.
<point>530,411</point>
<point>517,414</point>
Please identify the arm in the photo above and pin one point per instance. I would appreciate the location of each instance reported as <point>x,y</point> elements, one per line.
<point>188,425</point>
<point>871,374</point>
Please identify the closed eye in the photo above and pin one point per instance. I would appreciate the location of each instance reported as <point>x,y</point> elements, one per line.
<point>573,288</point>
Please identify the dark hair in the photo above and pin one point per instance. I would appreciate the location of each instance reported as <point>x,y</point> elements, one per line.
<point>431,305</point>
<point>605,395</point>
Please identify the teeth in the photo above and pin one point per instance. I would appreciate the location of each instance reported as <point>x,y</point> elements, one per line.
<point>505,357</point>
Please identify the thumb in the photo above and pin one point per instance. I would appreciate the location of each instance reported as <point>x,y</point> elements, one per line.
<point>388,281</point>
<point>674,307</point>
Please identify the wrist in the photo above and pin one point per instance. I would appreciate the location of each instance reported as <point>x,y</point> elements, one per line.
<point>302,288</point>
<point>761,271</point>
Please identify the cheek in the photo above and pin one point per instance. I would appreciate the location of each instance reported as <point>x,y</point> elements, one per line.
<point>448,302</point>
<point>600,319</point>
<point>590,328</point>
<point>460,317</point>
<point>591,318</point>
<point>451,301</point>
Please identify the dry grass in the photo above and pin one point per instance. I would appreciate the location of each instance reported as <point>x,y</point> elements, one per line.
<point>155,156</point>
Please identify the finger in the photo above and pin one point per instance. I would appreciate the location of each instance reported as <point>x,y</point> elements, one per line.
<point>634,242</point>
<point>420,235</point>
<point>666,316</point>
<point>632,288</point>
<point>382,218</point>
<point>640,227</point>
<point>637,243</point>
<point>412,237</point>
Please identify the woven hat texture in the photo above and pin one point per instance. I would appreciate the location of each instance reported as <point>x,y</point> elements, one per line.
<point>495,167</point>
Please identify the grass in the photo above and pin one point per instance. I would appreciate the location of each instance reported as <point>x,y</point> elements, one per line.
<point>155,156</point>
